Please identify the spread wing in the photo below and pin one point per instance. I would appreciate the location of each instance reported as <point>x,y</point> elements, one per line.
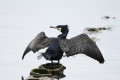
<point>81,44</point>
<point>39,42</point>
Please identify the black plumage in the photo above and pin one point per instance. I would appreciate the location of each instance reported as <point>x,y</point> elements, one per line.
<point>54,51</point>
<point>80,44</point>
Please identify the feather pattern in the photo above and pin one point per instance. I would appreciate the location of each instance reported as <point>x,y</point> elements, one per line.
<point>81,44</point>
<point>41,41</point>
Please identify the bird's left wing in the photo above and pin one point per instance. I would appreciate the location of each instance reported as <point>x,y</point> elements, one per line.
<point>81,44</point>
<point>39,42</point>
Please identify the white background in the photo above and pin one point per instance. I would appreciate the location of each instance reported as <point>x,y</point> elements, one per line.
<point>22,20</point>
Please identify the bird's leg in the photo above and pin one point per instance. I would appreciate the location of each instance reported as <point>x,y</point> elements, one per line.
<point>52,64</point>
<point>58,62</point>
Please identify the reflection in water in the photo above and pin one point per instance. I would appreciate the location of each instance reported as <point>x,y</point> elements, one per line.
<point>22,78</point>
<point>47,72</point>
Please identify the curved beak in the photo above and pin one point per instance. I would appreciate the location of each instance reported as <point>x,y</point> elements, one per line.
<point>26,51</point>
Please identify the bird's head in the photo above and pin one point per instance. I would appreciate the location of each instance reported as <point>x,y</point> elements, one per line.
<point>61,28</point>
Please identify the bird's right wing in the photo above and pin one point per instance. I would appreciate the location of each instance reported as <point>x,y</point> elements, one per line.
<point>81,44</point>
<point>39,42</point>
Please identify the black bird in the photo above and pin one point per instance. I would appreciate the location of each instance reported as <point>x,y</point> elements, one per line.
<point>80,44</point>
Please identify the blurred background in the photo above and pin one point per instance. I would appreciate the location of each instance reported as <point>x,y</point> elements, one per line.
<point>22,20</point>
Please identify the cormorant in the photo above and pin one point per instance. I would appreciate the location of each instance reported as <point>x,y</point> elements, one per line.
<point>80,44</point>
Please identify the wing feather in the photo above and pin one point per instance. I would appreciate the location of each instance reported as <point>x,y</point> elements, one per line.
<point>81,44</point>
<point>39,42</point>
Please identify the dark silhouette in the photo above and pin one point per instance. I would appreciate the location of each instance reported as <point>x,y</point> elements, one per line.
<point>54,51</point>
<point>22,78</point>
<point>57,46</point>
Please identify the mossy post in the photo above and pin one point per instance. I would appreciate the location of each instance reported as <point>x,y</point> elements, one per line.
<point>47,70</point>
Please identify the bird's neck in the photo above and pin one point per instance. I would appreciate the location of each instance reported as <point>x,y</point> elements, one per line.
<point>63,35</point>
